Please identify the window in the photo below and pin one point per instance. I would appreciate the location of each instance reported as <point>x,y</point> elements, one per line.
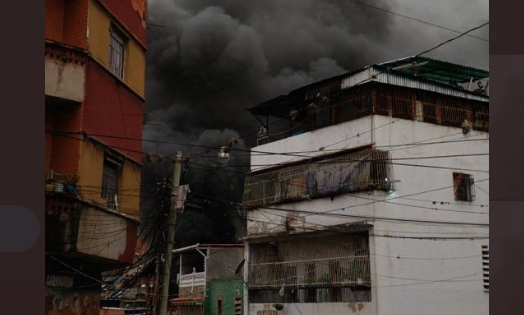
<point>110,177</point>
<point>116,52</point>
<point>464,187</point>
<point>220,307</point>
<point>485,267</point>
<point>238,305</point>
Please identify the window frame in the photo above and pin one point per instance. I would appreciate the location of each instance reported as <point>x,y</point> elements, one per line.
<point>117,37</point>
<point>466,180</point>
<point>111,182</point>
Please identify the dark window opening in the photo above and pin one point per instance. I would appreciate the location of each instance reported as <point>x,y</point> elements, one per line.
<point>220,307</point>
<point>464,187</point>
<point>110,180</point>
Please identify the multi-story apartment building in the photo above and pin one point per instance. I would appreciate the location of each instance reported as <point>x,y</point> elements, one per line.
<point>94,97</point>
<point>369,194</point>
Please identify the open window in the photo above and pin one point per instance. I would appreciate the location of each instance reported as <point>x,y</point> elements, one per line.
<point>464,187</point>
<point>110,181</point>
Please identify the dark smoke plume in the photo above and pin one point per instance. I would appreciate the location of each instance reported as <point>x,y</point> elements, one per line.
<point>210,60</point>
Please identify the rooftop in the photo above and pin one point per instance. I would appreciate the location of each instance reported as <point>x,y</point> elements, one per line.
<point>413,72</point>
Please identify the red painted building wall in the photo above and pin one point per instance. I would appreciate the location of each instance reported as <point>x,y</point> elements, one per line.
<point>110,108</point>
<point>131,13</point>
<point>66,21</point>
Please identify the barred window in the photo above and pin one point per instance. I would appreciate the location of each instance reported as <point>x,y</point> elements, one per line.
<point>485,267</point>
<point>117,52</point>
<point>110,181</point>
<point>464,187</point>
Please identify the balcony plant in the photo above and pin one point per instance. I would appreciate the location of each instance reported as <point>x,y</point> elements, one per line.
<point>69,182</point>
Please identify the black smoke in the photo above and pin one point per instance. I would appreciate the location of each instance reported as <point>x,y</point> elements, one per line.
<point>210,60</point>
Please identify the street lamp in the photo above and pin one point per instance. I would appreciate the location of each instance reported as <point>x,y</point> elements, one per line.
<point>223,155</point>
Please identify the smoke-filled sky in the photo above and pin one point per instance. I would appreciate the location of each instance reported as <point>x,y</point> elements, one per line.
<point>210,60</point>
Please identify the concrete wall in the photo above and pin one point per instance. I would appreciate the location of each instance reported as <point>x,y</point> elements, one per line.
<point>225,290</point>
<point>65,80</point>
<point>220,261</point>
<point>71,302</point>
<point>411,276</point>
<point>106,235</point>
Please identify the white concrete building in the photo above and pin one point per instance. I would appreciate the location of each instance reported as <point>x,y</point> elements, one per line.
<point>369,195</point>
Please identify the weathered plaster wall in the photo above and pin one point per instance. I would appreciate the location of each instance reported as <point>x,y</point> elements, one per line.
<point>412,276</point>
<point>65,80</point>
<point>225,290</point>
<point>106,235</point>
<point>220,262</point>
<point>70,302</point>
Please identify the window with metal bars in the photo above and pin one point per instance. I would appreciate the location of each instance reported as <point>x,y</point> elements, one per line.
<point>117,52</point>
<point>110,181</point>
<point>238,305</point>
<point>485,267</point>
<point>464,187</point>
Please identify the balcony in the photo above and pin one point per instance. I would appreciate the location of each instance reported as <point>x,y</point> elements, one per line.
<point>348,172</point>
<point>88,231</point>
<point>287,118</point>
<point>327,269</point>
<point>192,280</point>
<point>65,73</point>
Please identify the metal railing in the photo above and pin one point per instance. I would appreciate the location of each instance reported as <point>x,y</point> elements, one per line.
<point>192,280</point>
<point>349,173</point>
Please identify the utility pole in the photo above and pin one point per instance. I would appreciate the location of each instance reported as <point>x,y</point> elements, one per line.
<point>164,297</point>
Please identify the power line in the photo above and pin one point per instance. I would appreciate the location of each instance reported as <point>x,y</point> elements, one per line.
<point>451,40</point>
<point>415,19</point>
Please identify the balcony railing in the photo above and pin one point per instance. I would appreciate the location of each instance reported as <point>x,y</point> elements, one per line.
<point>192,280</point>
<point>349,173</point>
<point>319,273</point>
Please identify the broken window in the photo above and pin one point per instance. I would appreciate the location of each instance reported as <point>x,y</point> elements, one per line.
<point>464,187</point>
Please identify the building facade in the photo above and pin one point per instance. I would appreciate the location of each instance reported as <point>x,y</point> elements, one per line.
<point>94,97</point>
<point>369,194</point>
<point>210,280</point>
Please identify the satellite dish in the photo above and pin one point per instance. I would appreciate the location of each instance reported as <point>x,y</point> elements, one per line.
<point>240,266</point>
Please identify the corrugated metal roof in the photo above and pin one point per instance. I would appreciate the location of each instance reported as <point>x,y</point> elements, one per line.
<point>437,70</point>
<point>428,74</point>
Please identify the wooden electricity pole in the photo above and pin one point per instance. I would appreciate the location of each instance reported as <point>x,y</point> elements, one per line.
<point>164,296</point>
